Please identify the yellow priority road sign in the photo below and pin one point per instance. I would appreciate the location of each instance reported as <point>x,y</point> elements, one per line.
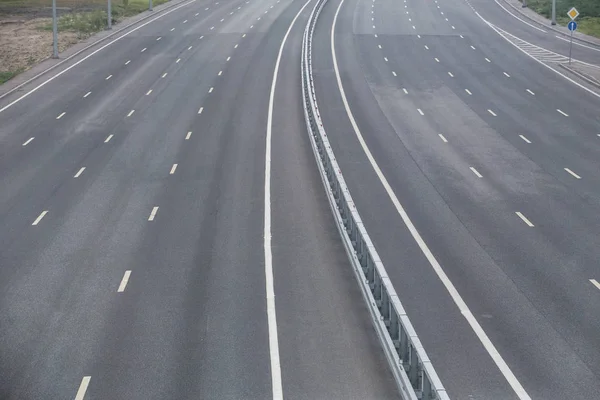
<point>573,13</point>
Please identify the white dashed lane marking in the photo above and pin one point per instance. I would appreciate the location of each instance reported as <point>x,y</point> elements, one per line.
<point>450,73</point>
<point>188,136</point>
<point>468,92</point>
<point>211,90</point>
<point>39,218</point>
<point>443,138</point>
<point>128,61</point>
<point>595,283</point>
<point>108,138</point>
<point>173,168</point>
<point>143,50</point>
<point>28,141</point>
<point>153,214</point>
<point>130,113</point>
<point>475,172</point>
<point>572,173</point>
<point>164,75</point>
<point>405,91</point>
<point>87,94</point>
<point>493,113</point>
<point>124,281</point>
<point>562,112</point>
<point>85,381</point>
<point>148,92</point>
<point>108,77</point>
<point>200,111</point>
<point>528,222</point>
<point>530,92</point>
<point>61,115</point>
<point>420,111</point>
<point>78,174</point>
<point>394,73</point>
<point>525,139</point>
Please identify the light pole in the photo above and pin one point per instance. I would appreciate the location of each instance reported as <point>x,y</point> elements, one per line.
<point>553,13</point>
<point>54,31</point>
<point>150,5</point>
<point>524,3</point>
<point>109,16</point>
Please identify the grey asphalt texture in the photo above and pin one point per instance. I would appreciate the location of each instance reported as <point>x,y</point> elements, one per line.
<point>528,287</point>
<point>192,321</point>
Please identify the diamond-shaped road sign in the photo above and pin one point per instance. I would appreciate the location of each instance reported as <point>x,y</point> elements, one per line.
<point>573,13</point>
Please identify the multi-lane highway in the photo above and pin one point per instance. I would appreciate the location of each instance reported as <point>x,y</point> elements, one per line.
<point>165,233</point>
<point>494,159</point>
<point>134,210</point>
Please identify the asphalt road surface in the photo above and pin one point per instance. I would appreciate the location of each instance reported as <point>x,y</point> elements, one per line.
<point>132,207</point>
<point>495,159</point>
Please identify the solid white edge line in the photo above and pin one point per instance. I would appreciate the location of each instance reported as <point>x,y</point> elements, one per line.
<point>39,218</point>
<point>85,381</point>
<point>466,312</point>
<point>92,53</point>
<point>276,381</point>
<point>572,173</point>
<point>124,281</point>
<point>525,22</point>
<point>173,169</point>
<point>78,174</point>
<point>528,222</point>
<point>153,213</point>
<point>578,44</point>
<point>28,141</point>
<point>595,283</point>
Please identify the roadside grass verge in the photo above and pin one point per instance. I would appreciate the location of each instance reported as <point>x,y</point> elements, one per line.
<point>588,21</point>
<point>8,75</point>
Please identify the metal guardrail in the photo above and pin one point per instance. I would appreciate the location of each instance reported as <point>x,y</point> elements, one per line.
<point>414,374</point>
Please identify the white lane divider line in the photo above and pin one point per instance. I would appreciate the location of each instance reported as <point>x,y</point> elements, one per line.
<point>108,77</point>
<point>385,58</point>
<point>476,172</point>
<point>153,214</point>
<point>212,27</point>
<point>414,27</point>
<point>127,62</point>
<point>572,173</point>
<point>87,94</point>
<point>85,381</point>
<point>443,138</point>
<point>108,138</point>
<point>562,112</point>
<point>61,115</point>
<point>426,47</point>
<point>446,19</point>
<point>228,58</point>
<point>244,35</point>
<point>195,15</point>
<point>436,59</point>
<point>28,141</point>
<point>148,92</point>
<point>420,111</point>
<point>211,90</point>
<point>450,73</point>
<point>379,46</point>
<point>220,73</point>
<point>39,218</point>
<point>468,92</point>
<point>373,26</point>
<point>376,36</point>
<point>188,136</point>
<point>453,27</point>
<point>251,26</point>
<point>222,19</point>
<point>185,21</point>
<point>530,92</point>
<point>491,112</point>
<point>461,36</point>
<point>473,47</point>
<point>488,60</point>
<point>435,265</point>
<point>158,38</point>
<point>507,75</point>
<point>124,281</point>
<point>405,91</point>
<point>172,29</point>
<point>177,62</point>
<point>78,174</point>
<point>199,112</point>
<point>524,218</point>
<point>236,46</point>
<point>164,75</point>
<point>525,139</point>
<point>130,113</point>
<point>276,381</point>
<point>394,73</point>
<point>143,50</point>
<point>173,168</point>
<point>595,283</point>
<point>201,37</point>
<point>189,48</point>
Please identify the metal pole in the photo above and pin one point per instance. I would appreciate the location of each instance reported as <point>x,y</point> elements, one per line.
<point>150,5</point>
<point>570,47</point>
<point>553,13</point>
<point>54,31</point>
<point>109,16</point>
<point>524,3</point>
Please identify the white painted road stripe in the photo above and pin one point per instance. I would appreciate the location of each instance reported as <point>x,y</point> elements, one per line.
<point>220,73</point>
<point>276,381</point>
<point>177,62</point>
<point>28,141</point>
<point>130,113</point>
<point>468,92</point>
<point>450,73</point>
<point>595,283</point>
<point>456,297</point>
<point>405,91</point>
<point>153,214</point>
<point>173,168</point>
<point>148,92</point>
<point>163,75</point>
<point>200,110</point>
<point>472,47</point>
<point>528,222</point>
<point>385,58</point>
<point>87,94</point>
<point>211,90</point>
<point>426,47</point>
<point>443,138</point>
<point>124,281</point>
<point>108,77</point>
<point>530,92</point>
<point>476,172</point>
<point>187,137</point>
<point>491,112</point>
<point>143,50</point>
<point>507,75</point>
<point>562,112</point>
<point>572,173</point>
<point>420,111</point>
<point>78,174</point>
<point>228,58</point>
<point>436,59</point>
<point>525,139</point>
<point>394,73</point>
<point>39,218</point>
<point>488,60</point>
<point>61,115</point>
<point>108,138</point>
<point>127,62</point>
<point>83,388</point>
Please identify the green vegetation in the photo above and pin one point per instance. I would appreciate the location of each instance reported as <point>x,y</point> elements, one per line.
<point>89,22</point>
<point>589,13</point>
<point>5,76</point>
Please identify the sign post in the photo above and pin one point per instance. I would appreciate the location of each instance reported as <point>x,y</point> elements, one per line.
<point>573,13</point>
